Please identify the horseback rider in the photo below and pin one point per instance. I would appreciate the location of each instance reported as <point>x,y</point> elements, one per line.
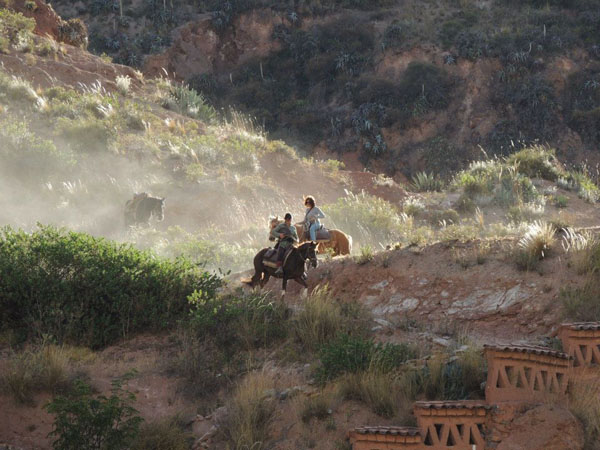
<point>286,236</point>
<point>311,219</point>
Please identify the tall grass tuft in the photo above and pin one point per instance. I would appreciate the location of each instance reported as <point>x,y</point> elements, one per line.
<point>585,405</point>
<point>165,434</point>
<point>535,244</point>
<point>41,369</point>
<point>377,389</point>
<point>250,413</point>
<point>320,321</point>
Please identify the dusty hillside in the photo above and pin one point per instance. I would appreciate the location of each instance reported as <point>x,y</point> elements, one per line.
<point>502,250</point>
<point>399,86</point>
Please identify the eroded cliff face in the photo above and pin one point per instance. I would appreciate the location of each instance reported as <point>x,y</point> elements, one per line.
<point>198,48</point>
<point>248,65</point>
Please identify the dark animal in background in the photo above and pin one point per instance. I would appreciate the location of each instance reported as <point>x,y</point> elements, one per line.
<point>143,207</point>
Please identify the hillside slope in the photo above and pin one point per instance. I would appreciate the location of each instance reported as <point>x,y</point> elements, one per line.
<point>395,85</point>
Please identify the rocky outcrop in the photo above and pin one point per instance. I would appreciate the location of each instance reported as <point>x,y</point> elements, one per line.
<point>546,427</point>
<point>49,23</point>
<point>198,48</point>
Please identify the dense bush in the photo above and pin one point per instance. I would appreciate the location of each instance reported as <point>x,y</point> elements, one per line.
<point>90,291</point>
<point>351,354</point>
<point>85,422</point>
<point>537,161</point>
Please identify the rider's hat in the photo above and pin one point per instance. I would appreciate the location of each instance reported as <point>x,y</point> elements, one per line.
<point>288,216</point>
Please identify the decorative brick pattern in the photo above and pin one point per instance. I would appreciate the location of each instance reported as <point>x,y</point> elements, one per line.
<point>525,373</point>
<point>386,438</point>
<point>457,425</point>
<point>517,374</point>
<point>582,342</point>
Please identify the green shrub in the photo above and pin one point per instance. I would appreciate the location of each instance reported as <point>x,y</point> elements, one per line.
<point>88,290</point>
<point>561,201</point>
<point>15,26</point>
<point>85,422</point>
<point>536,162</point>
<point>351,354</point>
<point>190,103</point>
<point>253,320</point>
<point>366,255</point>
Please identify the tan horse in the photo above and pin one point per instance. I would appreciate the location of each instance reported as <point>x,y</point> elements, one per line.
<point>340,242</point>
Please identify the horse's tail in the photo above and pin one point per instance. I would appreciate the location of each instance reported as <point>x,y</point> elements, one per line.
<point>258,269</point>
<point>349,244</point>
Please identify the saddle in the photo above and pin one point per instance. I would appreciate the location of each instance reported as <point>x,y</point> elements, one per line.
<point>270,257</point>
<point>323,234</point>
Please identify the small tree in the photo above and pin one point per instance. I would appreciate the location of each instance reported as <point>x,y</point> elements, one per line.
<point>86,422</point>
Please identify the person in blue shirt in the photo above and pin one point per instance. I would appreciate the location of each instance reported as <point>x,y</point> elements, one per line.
<point>311,219</point>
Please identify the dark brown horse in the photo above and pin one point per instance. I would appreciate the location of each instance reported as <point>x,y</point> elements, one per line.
<point>142,208</point>
<point>293,267</point>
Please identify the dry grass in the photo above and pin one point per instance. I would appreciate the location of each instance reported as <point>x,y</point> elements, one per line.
<point>381,391</point>
<point>166,434</point>
<point>315,407</point>
<point>584,250</point>
<point>585,405</point>
<point>42,369</point>
<point>320,321</point>
<point>251,411</point>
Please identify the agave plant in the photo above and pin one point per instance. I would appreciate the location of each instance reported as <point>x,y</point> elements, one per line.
<point>426,182</point>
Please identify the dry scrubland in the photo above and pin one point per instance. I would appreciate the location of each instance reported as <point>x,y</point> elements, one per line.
<point>112,345</point>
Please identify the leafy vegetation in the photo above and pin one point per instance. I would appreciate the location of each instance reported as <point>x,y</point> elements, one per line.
<point>90,291</point>
<point>85,421</point>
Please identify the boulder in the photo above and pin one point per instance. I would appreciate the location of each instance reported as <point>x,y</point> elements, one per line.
<point>545,427</point>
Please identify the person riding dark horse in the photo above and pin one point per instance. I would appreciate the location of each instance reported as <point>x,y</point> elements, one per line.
<point>286,236</point>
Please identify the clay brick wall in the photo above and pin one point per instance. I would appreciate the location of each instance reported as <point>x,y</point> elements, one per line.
<point>582,342</point>
<point>525,374</point>
<point>452,425</point>
<point>386,438</point>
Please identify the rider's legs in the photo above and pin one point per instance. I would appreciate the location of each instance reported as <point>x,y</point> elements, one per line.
<point>280,255</point>
<point>313,230</point>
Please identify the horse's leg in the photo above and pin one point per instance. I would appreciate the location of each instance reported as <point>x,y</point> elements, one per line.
<point>283,286</point>
<point>303,283</point>
<point>265,279</point>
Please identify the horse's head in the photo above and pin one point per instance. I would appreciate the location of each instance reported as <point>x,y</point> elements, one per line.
<point>159,209</point>
<point>311,253</point>
<point>273,222</point>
